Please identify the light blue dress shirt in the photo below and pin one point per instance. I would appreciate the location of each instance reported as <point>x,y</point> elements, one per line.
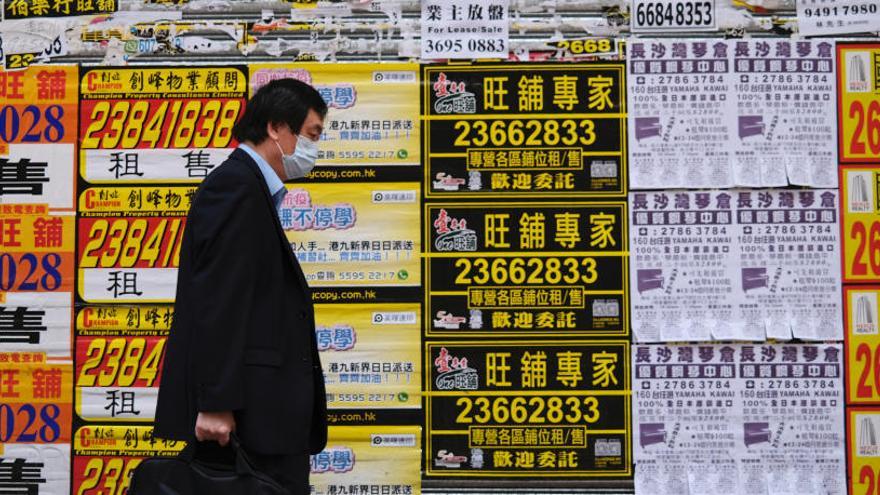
<point>276,187</point>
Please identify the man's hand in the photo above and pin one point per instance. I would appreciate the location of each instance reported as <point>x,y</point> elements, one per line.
<point>215,426</point>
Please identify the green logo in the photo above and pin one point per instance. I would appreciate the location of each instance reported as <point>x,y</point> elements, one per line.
<point>403,274</point>
<point>402,153</point>
<point>403,396</point>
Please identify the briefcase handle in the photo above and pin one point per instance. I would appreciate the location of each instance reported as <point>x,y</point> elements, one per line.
<point>243,463</point>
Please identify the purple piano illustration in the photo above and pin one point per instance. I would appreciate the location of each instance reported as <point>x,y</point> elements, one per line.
<point>651,433</point>
<point>756,433</point>
<point>649,278</point>
<point>750,125</point>
<point>754,278</point>
<point>647,127</point>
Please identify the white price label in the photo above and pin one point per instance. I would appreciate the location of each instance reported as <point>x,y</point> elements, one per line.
<point>652,16</point>
<point>470,48</point>
<point>464,29</point>
<point>821,17</point>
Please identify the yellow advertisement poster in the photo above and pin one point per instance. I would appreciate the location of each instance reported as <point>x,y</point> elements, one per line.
<point>355,236</point>
<point>373,116</point>
<point>370,354</point>
<point>118,352</point>
<point>106,455</point>
<point>36,250</point>
<point>36,280</point>
<point>136,201</point>
<point>32,228</point>
<point>35,404</point>
<point>375,459</point>
<point>862,344</point>
<point>858,68</point>
<point>122,440</point>
<point>863,425</point>
<point>158,124</point>
<point>38,135</point>
<point>30,379</point>
<point>129,242</point>
<point>121,320</point>
<point>860,212</point>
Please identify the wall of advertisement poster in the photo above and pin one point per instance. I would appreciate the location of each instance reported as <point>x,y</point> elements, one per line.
<point>645,264</point>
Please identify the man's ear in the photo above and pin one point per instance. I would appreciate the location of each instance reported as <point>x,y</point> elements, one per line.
<point>272,129</point>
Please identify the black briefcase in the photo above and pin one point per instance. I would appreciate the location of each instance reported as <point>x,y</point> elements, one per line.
<point>186,475</point>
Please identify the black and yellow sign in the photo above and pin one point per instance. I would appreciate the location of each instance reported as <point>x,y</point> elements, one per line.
<point>105,455</point>
<point>526,269</point>
<point>29,9</point>
<point>523,131</point>
<point>584,47</point>
<point>518,409</point>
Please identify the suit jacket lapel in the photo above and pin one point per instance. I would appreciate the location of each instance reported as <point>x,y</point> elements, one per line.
<point>244,157</point>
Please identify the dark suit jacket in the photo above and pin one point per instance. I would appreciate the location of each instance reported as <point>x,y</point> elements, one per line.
<point>243,333</point>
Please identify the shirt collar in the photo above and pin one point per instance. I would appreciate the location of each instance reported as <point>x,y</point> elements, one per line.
<point>269,175</point>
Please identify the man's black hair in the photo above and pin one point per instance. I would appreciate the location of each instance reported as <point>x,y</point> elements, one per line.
<point>281,101</point>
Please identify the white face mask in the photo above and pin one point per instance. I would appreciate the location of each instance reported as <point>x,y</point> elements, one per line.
<point>299,163</point>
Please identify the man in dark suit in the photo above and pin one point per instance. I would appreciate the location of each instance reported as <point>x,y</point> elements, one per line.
<point>241,355</point>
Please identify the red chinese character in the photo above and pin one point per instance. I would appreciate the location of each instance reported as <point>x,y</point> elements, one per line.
<point>442,361</point>
<point>444,87</point>
<point>47,383</point>
<point>9,230</point>
<point>11,84</point>
<point>8,382</point>
<point>51,85</point>
<point>48,232</point>
<point>441,225</point>
<point>440,85</point>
